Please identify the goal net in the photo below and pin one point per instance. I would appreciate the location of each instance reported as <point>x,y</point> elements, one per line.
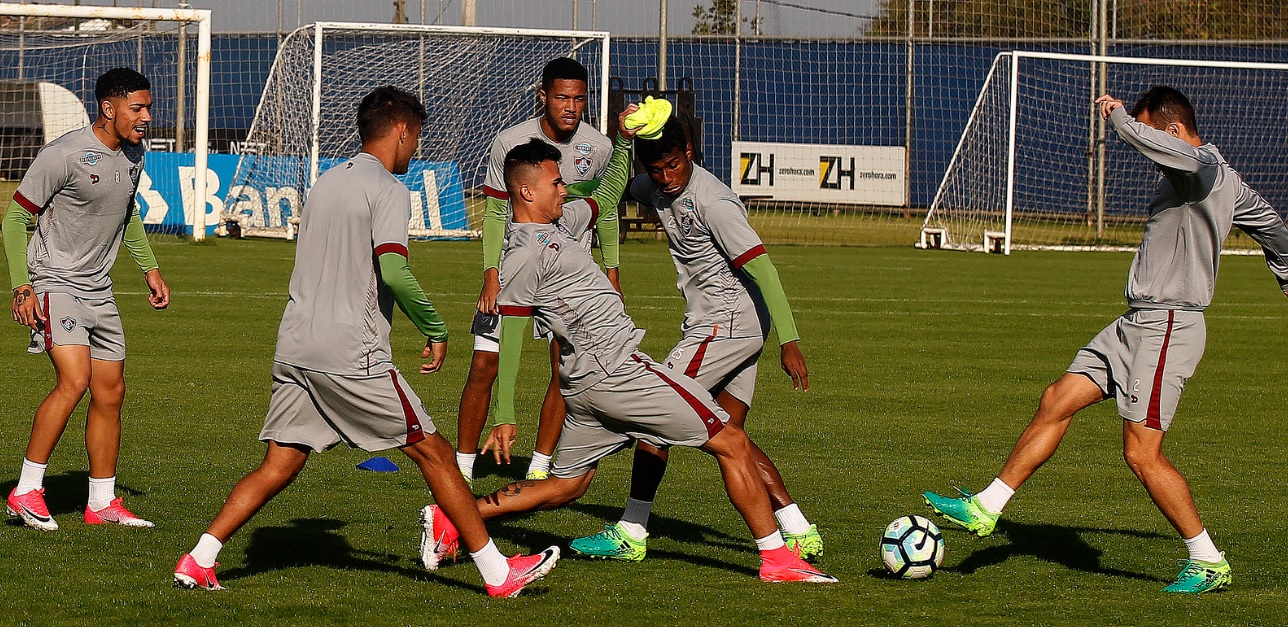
<point>50,59</point>
<point>1036,167</point>
<point>474,82</point>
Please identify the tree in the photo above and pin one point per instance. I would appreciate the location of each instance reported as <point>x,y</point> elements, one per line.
<point>1135,19</point>
<point>719,19</point>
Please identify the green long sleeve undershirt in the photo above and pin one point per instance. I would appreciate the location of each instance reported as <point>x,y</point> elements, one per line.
<point>15,244</point>
<point>136,242</point>
<point>606,191</point>
<point>407,292</point>
<point>762,271</point>
<point>507,368</point>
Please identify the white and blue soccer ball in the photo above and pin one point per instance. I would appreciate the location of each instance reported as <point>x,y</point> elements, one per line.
<point>912,547</point>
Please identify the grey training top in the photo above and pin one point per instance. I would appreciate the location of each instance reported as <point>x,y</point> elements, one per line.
<point>1199,197</point>
<point>584,157</point>
<point>338,317</point>
<point>546,274</point>
<point>710,240</point>
<point>82,193</point>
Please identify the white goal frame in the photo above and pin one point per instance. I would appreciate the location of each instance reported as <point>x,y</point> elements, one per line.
<point>932,236</point>
<point>201,17</point>
<point>320,29</point>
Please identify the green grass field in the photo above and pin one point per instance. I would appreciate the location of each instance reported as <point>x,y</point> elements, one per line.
<point>924,368</point>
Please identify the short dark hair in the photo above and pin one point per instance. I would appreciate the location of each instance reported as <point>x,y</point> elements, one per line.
<point>1166,105</point>
<point>525,156</point>
<point>384,107</point>
<point>119,83</point>
<point>565,68</point>
<point>653,150</point>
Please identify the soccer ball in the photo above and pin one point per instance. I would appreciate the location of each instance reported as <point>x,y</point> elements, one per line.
<point>912,547</point>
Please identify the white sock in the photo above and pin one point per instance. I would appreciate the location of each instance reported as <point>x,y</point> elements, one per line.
<point>101,492</point>
<point>465,461</point>
<point>635,517</point>
<point>31,478</point>
<point>540,463</point>
<point>995,496</point>
<point>1202,548</point>
<point>206,551</point>
<point>791,520</point>
<point>491,564</point>
<point>771,542</point>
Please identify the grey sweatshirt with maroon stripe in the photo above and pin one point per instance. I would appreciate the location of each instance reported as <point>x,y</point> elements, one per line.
<point>1199,198</point>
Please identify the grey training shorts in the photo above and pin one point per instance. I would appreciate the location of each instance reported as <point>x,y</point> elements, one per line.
<point>319,410</point>
<point>720,364</point>
<point>73,321</point>
<point>1143,360</point>
<point>641,400</point>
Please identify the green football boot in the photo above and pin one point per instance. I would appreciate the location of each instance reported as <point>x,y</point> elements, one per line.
<point>807,546</point>
<point>1198,577</point>
<point>611,543</point>
<point>537,475</point>
<point>965,511</point>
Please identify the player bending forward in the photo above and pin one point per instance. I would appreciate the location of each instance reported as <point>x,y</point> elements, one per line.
<point>732,293</point>
<point>584,155</point>
<point>1143,358</point>
<point>333,375</point>
<point>81,189</point>
<point>614,392</point>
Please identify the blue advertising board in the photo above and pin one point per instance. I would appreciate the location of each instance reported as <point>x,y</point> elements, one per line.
<point>165,194</point>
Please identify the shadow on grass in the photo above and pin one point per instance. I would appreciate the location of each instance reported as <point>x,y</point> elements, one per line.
<point>659,527</point>
<point>1054,543</point>
<point>67,493</point>
<point>315,542</point>
<point>486,466</point>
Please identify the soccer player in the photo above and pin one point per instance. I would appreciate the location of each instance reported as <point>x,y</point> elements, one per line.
<point>333,374</point>
<point>1143,359</point>
<point>732,293</point>
<point>614,393</point>
<point>80,190</point>
<point>585,153</point>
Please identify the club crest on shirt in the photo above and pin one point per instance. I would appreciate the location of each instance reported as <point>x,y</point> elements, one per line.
<point>91,158</point>
<point>583,165</point>
<point>686,216</point>
<point>584,148</point>
<point>68,323</point>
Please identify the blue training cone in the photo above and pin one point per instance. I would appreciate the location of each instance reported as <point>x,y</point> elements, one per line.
<point>378,464</point>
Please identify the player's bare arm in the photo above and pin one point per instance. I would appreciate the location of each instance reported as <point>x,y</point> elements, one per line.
<point>158,291</point>
<point>436,353</point>
<point>26,308</point>
<point>499,441</point>
<point>793,361</point>
<point>491,288</point>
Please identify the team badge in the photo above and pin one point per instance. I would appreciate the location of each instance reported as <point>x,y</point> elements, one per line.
<point>583,165</point>
<point>68,323</point>
<point>686,216</point>
<point>584,148</point>
<point>93,179</point>
<point>91,158</point>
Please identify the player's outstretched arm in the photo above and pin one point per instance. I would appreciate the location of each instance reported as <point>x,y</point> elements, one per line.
<point>407,292</point>
<point>1158,146</point>
<point>26,308</point>
<point>1254,216</point>
<point>136,243</point>
<point>504,431</point>
<point>765,275</point>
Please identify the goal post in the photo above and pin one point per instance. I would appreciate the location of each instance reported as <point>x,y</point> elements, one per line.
<point>1034,168</point>
<point>474,83</point>
<point>72,59</point>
